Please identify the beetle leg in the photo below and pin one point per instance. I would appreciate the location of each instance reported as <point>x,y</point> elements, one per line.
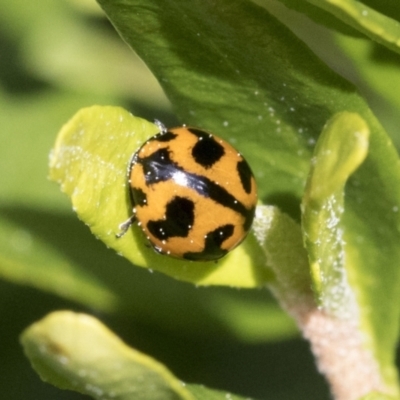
<point>125,226</point>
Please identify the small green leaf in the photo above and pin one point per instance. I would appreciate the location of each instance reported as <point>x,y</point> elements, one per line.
<point>76,352</point>
<point>340,149</point>
<point>90,160</point>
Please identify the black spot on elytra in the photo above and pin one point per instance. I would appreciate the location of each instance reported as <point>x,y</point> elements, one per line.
<point>220,195</point>
<point>207,151</point>
<point>219,235</point>
<point>179,218</point>
<point>165,137</point>
<point>245,175</point>
<point>212,245</point>
<point>139,197</point>
<point>157,167</point>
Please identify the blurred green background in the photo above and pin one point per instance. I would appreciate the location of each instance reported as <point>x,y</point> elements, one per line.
<point>55,58</point>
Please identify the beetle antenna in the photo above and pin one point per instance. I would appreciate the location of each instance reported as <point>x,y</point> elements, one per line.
<point>160,126</point>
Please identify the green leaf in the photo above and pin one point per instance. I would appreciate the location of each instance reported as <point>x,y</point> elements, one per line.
<point>313,12</point>
<point>90,159</point>
<point>374,24</point>
<point>340,149</point>
<point>77,352</point>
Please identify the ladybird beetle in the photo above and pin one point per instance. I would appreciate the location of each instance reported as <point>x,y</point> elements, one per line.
<point>193,194</point>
